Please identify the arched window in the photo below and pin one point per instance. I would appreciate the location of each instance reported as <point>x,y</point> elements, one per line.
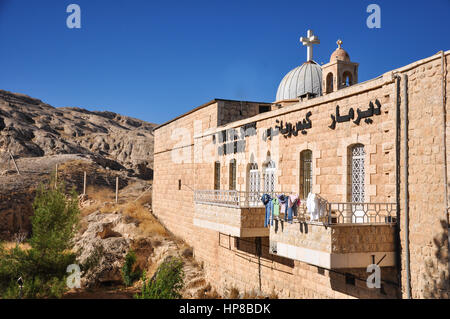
<point>329,83</point>
<point>254,184</point>
<point>348,79</point>
<point>232,178</point>
<point>217,175</point>
<point>269,176</point>
<point>305,173</point>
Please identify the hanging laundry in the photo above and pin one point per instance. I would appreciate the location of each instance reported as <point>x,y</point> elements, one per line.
<point>276,208</point>
<point>267,201</point>
<point>322,206</point>
<point>298,204</point>
<point>292,208</point>
<point>316,206</point>
<point>311,206</point>
<point>283,199</point>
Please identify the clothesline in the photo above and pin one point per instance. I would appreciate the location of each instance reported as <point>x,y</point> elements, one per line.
<point>289,204</point>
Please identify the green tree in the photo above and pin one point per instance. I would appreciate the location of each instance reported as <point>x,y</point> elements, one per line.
<point>54,221</point>
<point>167,282</point>
<point>43,267</point>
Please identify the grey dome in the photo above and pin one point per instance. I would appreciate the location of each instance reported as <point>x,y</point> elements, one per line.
<point>306,78</point>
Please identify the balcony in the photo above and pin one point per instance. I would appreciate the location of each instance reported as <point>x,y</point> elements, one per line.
<point>347,235</point>
<point>235,213</point>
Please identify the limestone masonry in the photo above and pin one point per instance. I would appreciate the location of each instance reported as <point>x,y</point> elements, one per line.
<point>375,152</point>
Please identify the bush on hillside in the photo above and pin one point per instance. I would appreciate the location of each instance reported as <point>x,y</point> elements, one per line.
<point>167,282</point>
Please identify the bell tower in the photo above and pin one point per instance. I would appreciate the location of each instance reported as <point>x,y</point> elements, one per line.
<point>340,72</point>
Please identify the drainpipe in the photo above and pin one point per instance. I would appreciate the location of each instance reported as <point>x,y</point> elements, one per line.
<point>444,147</point>
<point>397,239</point>
<point>444,132</point>
<point>406,167</point>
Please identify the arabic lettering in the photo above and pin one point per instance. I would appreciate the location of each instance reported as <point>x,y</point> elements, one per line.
<point>371,111</point>
<point>288,129</point>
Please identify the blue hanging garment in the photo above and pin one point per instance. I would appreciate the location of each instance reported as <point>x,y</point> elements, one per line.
<point>267,201</point>
<point>292,207</point>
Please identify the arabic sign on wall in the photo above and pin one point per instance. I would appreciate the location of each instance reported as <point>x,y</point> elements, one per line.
<point>289,129</point>
<point>233,140</point>
<point>366,115</point>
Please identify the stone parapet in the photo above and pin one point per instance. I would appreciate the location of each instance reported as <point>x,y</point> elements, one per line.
<point>234,221</point>
<point>337,246</point>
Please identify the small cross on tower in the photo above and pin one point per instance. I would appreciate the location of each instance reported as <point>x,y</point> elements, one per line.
<point>309,41</point>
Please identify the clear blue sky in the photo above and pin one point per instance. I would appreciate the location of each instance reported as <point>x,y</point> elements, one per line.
<point>155,60</point>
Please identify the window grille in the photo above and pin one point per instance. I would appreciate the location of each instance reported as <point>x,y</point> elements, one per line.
<point>269,177</point>
<point>217,175</point>
<point>254,184</point>
<point>358,183</point>
<point>358,173</point>
<point>306,173</point>
<point>233,174</point>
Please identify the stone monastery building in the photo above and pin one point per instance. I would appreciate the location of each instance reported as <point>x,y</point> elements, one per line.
<point>354,177</point>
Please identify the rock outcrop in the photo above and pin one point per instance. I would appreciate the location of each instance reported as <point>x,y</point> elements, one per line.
<point>103,246</point>
<point>32,128</point>
<point>107,238</point>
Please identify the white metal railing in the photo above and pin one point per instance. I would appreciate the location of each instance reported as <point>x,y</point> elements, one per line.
<point>348,214</point>
<point>232,198</point>
<point>331,213</point>
<point>361,213</point>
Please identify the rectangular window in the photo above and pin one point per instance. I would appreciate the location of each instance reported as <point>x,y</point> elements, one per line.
<point>357,173</point>
<point>179,184</point>
<point>232,175</point>
<point>217,175</point>
<point>305,173</point>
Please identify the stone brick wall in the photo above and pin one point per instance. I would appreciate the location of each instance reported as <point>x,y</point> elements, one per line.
<point>336,239</point>
<point>429,267</point>
<point>362,238</point>
<point>230,111</point>
<point>252,217</point>
<point>173,161</point>
<point>228,264</point>
<point>239,222</point>
<point>311,236</point>
<point>218,214</point>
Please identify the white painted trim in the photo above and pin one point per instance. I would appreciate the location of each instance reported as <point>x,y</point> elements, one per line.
<point>232,230</point>
<point>222,228</point>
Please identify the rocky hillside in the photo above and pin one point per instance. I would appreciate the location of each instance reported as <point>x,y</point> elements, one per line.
<point>17,191</point>
<point>32,128</point>
<point>109,231</point>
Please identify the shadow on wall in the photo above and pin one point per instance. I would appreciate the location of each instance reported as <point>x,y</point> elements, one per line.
<point>436,276</point>
<point>260,248</point>
<point>353,282</point>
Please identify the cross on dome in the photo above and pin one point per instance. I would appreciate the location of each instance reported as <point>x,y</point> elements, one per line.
<point>308,42</point>
<point>339,43</point>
